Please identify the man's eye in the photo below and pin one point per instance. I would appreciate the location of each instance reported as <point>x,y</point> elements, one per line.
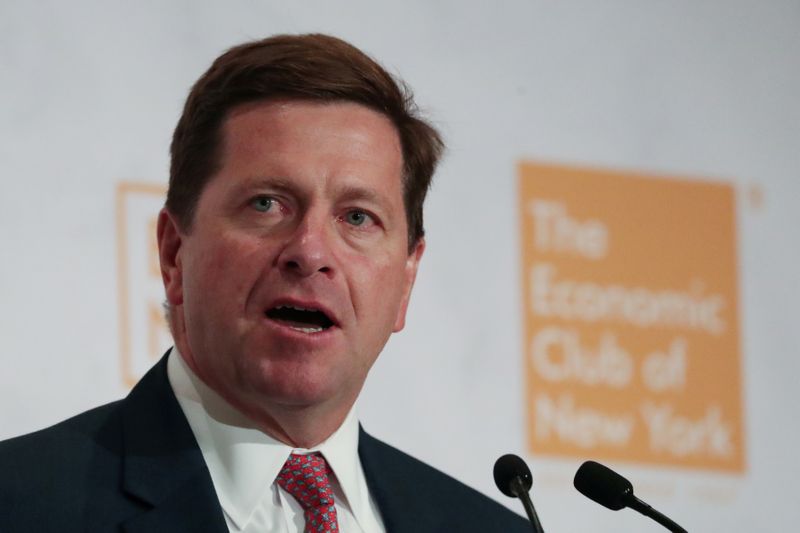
<point>263,203</point>
<point>356,218</point>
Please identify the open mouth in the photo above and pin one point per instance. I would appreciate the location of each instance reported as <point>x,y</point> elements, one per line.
<point>300,319</point>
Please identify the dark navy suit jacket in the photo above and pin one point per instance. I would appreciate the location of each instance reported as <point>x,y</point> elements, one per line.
<point>134,466</point>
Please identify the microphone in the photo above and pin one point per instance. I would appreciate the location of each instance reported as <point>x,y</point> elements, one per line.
<point>604,486</point>
<point>513,477</point>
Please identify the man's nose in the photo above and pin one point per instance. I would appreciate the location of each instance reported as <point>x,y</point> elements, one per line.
<point>308,249</point>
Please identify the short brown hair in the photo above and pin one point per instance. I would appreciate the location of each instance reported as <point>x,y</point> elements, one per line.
<point>310,67</point>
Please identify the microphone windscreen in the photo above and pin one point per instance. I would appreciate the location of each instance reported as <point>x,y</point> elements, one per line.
<point>508,467</point>
<point>603,485</point>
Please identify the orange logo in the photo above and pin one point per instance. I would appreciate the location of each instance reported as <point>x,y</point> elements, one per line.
<point>143,331</point>
<point>631,318</point>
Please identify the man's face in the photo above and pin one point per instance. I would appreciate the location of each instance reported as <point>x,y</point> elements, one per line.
<point>296,269</point>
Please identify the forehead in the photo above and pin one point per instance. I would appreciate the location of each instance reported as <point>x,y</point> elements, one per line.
<point>312,130</point>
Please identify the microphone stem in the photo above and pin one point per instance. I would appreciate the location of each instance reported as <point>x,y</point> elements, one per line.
<point>638,505</point>
<point>518,489</point>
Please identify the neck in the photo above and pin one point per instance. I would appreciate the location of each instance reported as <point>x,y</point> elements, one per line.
<point>303,426</point>
<point>299,427</point>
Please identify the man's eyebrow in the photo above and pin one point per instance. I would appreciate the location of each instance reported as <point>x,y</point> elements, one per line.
<point>267,182</point>
<point>354,192</point>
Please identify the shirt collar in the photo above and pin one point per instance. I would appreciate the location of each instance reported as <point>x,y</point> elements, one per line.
<point>244,462</point>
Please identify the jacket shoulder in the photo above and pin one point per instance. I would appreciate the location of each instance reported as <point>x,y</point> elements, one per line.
<point>406,488</point>
<point>64,439</point>
<point>53,465</point>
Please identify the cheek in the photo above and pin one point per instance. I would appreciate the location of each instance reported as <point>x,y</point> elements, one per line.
<point>224,272</point>
<point>378,286</point>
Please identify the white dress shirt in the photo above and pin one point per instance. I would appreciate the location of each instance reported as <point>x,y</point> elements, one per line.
<point>244,462</point>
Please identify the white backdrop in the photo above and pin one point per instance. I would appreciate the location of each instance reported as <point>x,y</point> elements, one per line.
<point>90,92</point>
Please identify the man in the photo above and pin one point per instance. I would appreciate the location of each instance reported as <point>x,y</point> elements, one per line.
<point>289,244</point>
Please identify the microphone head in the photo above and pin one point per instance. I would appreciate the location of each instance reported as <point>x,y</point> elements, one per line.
<point>603,485</point>
<point>507,469</point>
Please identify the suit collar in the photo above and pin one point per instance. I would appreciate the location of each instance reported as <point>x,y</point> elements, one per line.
<point>162,465</point>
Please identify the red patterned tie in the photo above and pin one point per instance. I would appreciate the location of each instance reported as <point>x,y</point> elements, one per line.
<point>305,477</point>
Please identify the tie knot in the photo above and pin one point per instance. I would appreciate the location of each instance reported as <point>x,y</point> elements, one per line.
<point>307,479</point>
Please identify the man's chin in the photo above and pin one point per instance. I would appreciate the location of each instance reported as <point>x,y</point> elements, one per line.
<point>299,395</point>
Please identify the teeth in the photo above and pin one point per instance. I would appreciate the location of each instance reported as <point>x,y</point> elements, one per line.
<point>307,330</point>
<point>296,308</point>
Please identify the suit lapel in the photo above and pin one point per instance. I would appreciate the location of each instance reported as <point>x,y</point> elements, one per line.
<point>162,464</point>
<point>192,508</point>
<point>398,490</point>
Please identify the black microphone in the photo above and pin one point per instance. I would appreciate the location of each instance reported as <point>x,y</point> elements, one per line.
<point>609,489</point>
<point>513,477</point>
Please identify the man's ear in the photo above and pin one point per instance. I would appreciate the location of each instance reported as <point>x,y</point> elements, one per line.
<point>170,239</point>
<point>412,264</point>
